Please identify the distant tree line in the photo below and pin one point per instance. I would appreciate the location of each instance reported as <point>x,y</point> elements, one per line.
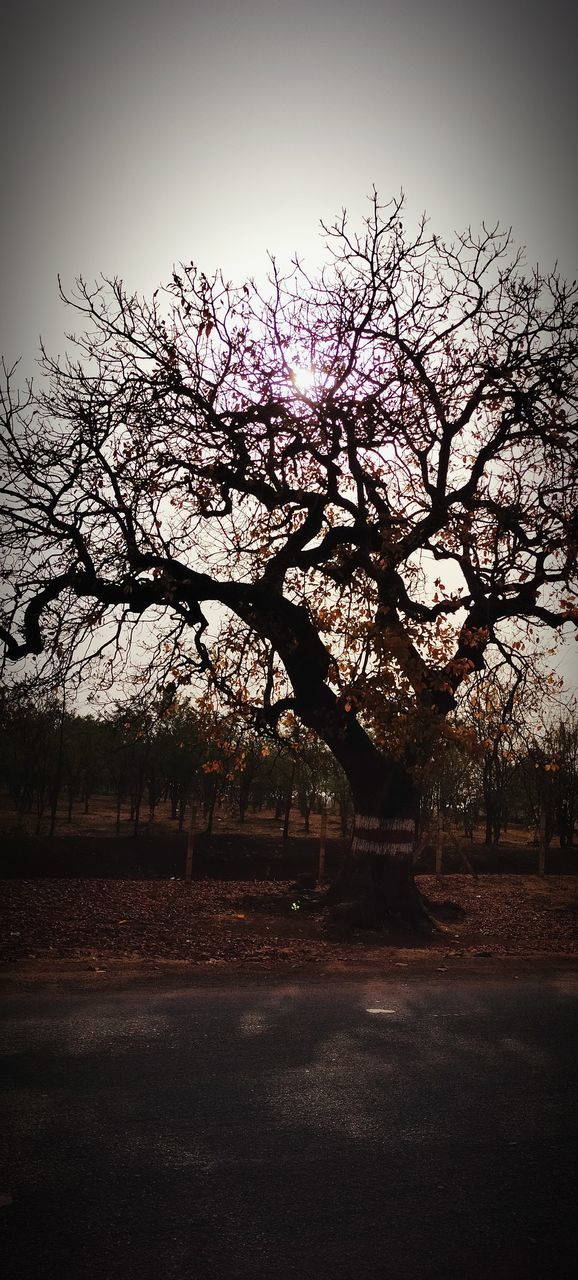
<point>53,760</point>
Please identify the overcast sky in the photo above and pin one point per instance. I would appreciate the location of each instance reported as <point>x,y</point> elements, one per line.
<point>139,133</point>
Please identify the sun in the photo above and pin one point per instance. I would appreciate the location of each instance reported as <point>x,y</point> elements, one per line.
<point>304,378</point>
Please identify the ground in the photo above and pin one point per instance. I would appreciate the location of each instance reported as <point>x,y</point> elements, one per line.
<point>88,900</point>
<point>202,1081</point>
<point>99,923</point>
<point>239,1126</point>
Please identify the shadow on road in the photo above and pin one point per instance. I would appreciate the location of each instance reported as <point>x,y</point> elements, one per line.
<point>261,1129</point>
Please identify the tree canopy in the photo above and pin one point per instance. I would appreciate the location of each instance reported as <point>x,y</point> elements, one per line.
<point>371,470</point>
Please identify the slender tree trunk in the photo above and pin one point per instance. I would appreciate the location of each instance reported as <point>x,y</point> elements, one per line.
<point>243,800</point>
<point>53,810</point>
<point>56,785</point>
<point>153,797</point>
<point>39,811</point>
<point>306,804</point>
<point>287,816</point>
<point>137,805</point>
<point>211,811</point>
<point>288,803</point>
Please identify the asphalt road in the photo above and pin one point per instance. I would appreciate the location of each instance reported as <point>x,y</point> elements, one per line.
<point>272,1128</point>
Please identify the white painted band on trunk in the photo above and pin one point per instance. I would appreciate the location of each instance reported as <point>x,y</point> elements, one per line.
<point>383,850</point>
<point>385,837</point>
<point>384,824</point>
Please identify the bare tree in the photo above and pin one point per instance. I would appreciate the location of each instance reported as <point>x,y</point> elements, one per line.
<point>372,472</point>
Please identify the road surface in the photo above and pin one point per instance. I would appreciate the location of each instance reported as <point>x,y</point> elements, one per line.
<point>267,1128</point>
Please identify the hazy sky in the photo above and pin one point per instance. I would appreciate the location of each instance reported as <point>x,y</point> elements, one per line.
<point>137,133</point>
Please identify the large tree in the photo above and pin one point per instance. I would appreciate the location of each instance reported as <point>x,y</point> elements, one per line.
<point>371,471</point>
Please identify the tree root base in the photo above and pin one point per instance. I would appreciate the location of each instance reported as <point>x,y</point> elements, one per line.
<point>378,896</point>
<point>345,918</point>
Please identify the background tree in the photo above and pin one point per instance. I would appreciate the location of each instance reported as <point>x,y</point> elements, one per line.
<point>87,747</point>
<point>372,472</point>
<point>550,780</point>
<point>499,712</point>
<point>563,743</point>
<point>30,748</point>
<point>451,787</point>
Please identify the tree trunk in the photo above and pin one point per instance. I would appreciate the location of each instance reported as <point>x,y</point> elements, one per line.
<point>137,805</point>
<point>211,811</point>
<point>244,792</point>
<point>288,804</point>
<point>305,804</point>
<point>53,809</point>
<point>376,888</point>
<point>287,816</point>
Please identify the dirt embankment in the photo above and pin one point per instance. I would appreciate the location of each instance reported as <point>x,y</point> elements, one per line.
<point>101,922</point>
